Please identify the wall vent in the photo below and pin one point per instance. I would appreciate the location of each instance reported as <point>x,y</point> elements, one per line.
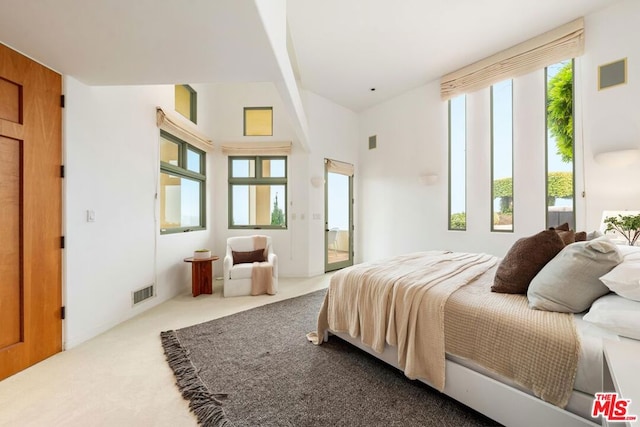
<point>142,294</point>
<point>373,142</point>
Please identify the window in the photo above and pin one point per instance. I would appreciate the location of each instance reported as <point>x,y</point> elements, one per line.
<point>457,163</point>
<point>187,102</point>
<point>502,156</point>
<point>258,121</point>
<point>182,185</point>
<point>560,147</point>
<point>258,192</point>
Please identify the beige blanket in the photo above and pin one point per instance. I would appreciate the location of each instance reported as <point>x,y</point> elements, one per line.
<point>261,272</point>
<point>402,301</point>
<point>386,302</point>
<point>536,349</point>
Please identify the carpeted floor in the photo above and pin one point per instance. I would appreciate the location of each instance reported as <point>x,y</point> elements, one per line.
<point>259,366</point>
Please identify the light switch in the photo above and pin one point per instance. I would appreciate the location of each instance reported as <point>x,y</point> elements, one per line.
<point>91,216</point>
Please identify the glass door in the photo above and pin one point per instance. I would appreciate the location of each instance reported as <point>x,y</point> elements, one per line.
<point>338,215</point>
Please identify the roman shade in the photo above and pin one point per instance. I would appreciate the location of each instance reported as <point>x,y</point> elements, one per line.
<point>177,127</point>
<point>342,168</point>
<point>271,148</point>
<point>549,48</point>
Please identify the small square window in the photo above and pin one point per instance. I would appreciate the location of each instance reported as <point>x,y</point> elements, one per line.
<point>258,121</point>
<point>187,102</point>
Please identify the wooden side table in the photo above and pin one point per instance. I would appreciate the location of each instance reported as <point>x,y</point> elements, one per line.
<point>201,275</point>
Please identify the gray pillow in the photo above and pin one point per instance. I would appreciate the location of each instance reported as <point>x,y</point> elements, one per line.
<point>570,282</point>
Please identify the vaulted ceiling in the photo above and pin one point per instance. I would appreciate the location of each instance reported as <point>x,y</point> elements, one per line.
<point>340,49</point>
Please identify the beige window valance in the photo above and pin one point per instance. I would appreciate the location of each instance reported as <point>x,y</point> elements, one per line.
<point>549,48</point>
<point>342,168</point>
<point>169,122</point>
<point>270,148</point>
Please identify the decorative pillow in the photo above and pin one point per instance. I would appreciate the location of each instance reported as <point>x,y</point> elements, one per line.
<point>594,234</point>
<point>567,237</point>
<point>248,257</point>
<point>566,234</point>
<point>624,279</point>
<point>524,260</point>
<point>570,282</point>
<point>581,236</point>
<point>617,314</point>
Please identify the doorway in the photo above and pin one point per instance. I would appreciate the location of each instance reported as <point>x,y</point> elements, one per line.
<point>338,227</point>
<point>31,214</point>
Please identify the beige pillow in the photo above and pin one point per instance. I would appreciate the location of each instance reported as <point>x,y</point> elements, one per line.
<point>570,282</point>
<point>524,260</point>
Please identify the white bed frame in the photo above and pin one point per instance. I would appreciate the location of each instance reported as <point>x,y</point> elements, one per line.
<point>498,401</point>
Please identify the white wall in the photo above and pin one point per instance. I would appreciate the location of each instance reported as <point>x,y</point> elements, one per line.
<point>333,132</point>
<point>112,167</point>
<point>228,101</point>
<point>398,214</point>
<point>611,116</point>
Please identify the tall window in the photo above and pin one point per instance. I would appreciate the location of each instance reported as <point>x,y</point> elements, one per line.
<point>258,192</point>
<point>502,156</point>
<point>457,163</point>
<point>186,100</point>
<point>182,185</point>
<point>560,145</point>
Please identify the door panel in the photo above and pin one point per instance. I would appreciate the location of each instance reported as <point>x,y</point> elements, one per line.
<point>338,219</point>
<point>31,214</point>
<point>10,265</point>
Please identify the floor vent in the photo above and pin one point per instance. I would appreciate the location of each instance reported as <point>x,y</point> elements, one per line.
<point>142,294</point>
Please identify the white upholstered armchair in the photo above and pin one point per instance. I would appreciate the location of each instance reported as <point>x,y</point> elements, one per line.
<point>238,277</point>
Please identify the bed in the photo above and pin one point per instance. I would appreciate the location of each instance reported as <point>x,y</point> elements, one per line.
<point>387,308</point>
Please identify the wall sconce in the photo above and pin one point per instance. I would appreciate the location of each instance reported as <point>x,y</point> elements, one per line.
<point>617,158</point>
<point>317,181</point>
<point>428,178</point>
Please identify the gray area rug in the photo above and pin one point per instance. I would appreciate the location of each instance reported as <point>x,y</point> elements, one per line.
<point>256,368</point>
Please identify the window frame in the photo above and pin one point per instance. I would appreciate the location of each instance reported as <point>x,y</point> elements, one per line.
<point>449,225</point>
<point>546,144</point>
<point>244,120</point>
<point>257,180</point>
<point>193,104</point>
<point>181,171</point>
<point>493,179</point>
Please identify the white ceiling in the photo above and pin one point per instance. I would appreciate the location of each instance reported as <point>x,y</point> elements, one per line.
<point>342,47</point>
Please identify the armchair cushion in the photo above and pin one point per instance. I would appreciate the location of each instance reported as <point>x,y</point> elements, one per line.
<point>248,257</point>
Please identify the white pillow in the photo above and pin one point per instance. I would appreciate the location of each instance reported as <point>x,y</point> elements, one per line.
<point>629,252</point>
<point>616,314</point>
<point>624,279</point>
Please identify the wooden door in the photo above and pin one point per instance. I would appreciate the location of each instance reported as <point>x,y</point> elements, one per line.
<point>30,212</point>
